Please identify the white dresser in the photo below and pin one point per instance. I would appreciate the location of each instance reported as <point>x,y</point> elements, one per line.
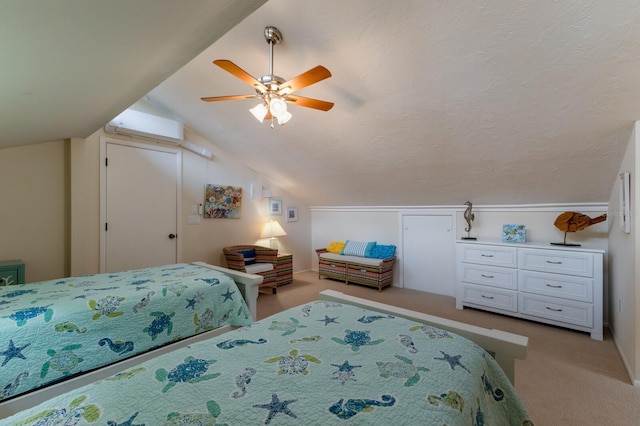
<point>550,284</point>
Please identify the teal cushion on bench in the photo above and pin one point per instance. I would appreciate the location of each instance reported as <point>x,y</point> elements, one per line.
<point>381,251</point>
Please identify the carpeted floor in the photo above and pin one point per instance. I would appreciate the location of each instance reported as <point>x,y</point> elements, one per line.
<point>566,379</point>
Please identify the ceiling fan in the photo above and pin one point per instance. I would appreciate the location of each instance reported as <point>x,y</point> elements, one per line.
<point>273,91</point>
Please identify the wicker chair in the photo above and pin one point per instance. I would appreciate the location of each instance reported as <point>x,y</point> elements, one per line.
<point>265,263</point>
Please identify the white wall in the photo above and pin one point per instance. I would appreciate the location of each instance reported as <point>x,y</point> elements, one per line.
<point>624,271</point>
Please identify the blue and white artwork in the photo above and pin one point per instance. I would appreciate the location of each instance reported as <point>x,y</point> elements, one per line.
<point>513,233</point>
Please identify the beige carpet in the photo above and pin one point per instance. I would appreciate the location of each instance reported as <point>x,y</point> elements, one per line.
<point>566,379</point>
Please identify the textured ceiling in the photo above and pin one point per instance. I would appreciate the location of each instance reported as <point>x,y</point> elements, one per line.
<point>436,102</point>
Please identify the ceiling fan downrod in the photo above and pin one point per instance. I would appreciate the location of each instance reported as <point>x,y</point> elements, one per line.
<point>273,36</point>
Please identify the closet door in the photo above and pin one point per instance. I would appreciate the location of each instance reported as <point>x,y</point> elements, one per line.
<point>142,189</point>
<point>428,253</point>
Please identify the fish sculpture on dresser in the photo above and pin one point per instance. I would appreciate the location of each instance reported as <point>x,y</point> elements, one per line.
<point>573,222</point>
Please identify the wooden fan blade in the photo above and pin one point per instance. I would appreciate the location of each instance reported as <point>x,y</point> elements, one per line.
<point>232,68</point>
<point>309,103</point>
<point>228,98</point>
<point>305,79</point>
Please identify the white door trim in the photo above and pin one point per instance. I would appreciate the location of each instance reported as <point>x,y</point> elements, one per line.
<point>103,192</point>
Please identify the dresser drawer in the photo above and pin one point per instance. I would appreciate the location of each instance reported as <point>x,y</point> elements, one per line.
<point>494,255</point>
<point>556,309</point>
<point>573,263</point>
<point>491,276</point>
<point>491,297</point>
<point>556,285</point>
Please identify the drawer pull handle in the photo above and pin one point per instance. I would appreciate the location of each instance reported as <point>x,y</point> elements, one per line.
<point>554,286</point>
<point>554,263</point>
<point>486,276</point>
<point>332,265</point>
<point>486,255</point>
<point>486,297</point>
<point>554,310</point>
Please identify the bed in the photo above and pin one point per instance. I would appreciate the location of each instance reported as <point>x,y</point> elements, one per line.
<point>55,330</point>
<point>326,362</point>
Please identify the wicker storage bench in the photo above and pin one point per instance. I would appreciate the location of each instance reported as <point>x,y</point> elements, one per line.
<point>376,273</point>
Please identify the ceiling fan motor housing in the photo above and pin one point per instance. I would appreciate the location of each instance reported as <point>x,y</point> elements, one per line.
<point>272,35</point>
<point>271,82</point>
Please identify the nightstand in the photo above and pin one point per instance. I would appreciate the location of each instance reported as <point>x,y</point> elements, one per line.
<point>11,272</point>
<point>284,269</point>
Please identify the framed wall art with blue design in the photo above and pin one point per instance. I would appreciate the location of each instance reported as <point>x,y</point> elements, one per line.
<point>222,201</point>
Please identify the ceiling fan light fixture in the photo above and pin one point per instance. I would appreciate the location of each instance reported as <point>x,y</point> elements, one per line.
<point>278,107</point>
<point>284,118</point>
<point>259,112</point>
<point>274,91</point>
<point>284,91</point>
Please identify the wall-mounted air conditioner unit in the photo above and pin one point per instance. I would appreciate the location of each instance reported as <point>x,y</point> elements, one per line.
<point>148,126</point>
<point>141,124</point>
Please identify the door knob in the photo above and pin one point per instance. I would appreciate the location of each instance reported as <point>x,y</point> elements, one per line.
<point>172,236</point>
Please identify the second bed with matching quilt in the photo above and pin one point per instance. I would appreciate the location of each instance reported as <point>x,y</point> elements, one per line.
<point>319,363</point>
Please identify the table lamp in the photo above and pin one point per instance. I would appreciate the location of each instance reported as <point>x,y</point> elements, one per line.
<point>272,230</point>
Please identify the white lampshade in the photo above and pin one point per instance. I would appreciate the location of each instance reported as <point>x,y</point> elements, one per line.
<point>259,111</point>
<point>284,117</point>
<point>278,107</point>
<point>272,230</point>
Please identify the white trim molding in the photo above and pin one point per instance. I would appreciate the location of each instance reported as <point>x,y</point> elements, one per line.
<point>583,207</point>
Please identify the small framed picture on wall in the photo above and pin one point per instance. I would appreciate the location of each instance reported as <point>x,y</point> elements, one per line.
<point>292,214</point>
<point>275,206</point>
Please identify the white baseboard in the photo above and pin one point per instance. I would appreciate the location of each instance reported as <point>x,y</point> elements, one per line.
<point>634,381</point>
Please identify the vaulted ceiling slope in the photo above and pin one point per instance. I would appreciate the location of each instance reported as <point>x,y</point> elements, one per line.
<point>436,102</point>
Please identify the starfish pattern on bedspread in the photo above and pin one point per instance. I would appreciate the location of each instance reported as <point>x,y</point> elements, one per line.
<point>276,406</point>
<point>327,320</point>
<point>12,352</point>
<point>453,360</point>
<point>228,295</point>
<point>344,373</point>
<point>191,303</point>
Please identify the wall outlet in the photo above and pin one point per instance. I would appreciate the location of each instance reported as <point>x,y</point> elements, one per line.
<point>194,219</point>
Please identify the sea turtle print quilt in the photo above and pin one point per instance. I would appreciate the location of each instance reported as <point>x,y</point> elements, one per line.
<point>321,363</point>
<point>55,329</point>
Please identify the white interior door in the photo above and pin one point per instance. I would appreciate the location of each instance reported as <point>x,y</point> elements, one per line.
<point>428,253</point>
<point>142,189</point>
